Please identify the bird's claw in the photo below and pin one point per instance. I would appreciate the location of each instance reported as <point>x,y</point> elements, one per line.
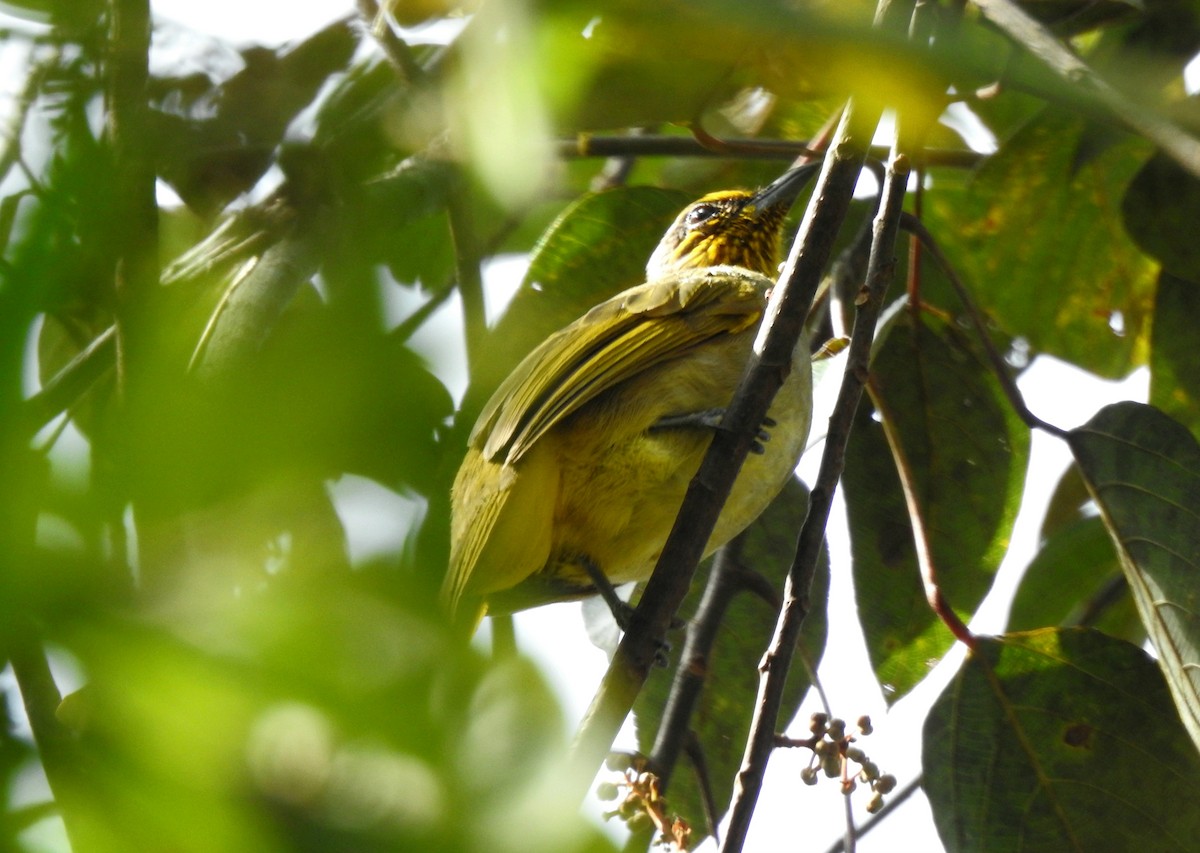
<point>711,419</point>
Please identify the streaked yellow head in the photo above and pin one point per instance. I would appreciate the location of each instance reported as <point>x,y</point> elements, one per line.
<point>733,227</point>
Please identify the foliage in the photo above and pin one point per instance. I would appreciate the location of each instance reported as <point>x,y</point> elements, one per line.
<point>190,386</point>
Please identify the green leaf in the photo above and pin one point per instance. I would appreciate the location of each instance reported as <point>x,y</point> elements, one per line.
<point>1160,210</point>
<point>1075,577</point>
<point>1036,236</point>
<point>721,722</point>
<point>1143,470</point>
<point>1060,741</point>
<point>967,452</point>
<point>1174,356</point>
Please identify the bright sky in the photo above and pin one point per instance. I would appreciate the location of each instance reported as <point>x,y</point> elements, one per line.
<point>265,21</point>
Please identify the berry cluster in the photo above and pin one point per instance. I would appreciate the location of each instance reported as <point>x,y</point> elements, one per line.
<point>641,803</point>
<point>833,754</point>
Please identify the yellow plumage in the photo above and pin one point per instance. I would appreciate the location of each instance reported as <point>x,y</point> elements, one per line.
<point>570,464</point>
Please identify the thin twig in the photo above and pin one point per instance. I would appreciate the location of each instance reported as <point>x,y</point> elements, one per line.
<point>777,661</point>
<point>692,672</point>
<point>11,136</point>
<point>1008,385</point>
<point>41,698</point>
<point>466,265</point>
<point>660,145</point>
<point>893,802</point>
<point>916,517</point>
<point>396,49</point>
<point>62,390</point>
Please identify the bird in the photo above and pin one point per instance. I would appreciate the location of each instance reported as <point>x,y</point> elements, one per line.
<point>577,465</point>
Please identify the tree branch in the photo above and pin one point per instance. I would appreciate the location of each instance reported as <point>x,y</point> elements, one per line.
<point>777,661</point>
<point>136,201</point>
<point>692,672</point>
<point>661,145</point>
<point>56,746</point>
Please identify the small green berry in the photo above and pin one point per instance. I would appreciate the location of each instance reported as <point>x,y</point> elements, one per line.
<point>832,765</point>
<point>607,791</point>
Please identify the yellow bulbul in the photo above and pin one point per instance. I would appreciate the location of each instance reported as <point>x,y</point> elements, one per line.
<point>578,464</point>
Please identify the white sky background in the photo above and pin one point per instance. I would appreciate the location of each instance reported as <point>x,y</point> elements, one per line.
<point>808,818</point>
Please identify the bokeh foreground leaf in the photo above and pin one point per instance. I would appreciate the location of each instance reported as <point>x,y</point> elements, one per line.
<point>1143,469</point>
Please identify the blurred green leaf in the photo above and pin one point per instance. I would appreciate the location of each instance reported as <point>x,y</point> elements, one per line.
<point>1143,469</point>
<point>1160,206</point>
<point>213,142</point>
<point>1060,740</point>
<point>285,720</point>
<point>721,722</point>
<point>1174,356</point>
<point>967,452</point>
<point>1033,235</point>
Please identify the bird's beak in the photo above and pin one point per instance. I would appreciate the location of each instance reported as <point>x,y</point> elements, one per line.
<point>782,192</point>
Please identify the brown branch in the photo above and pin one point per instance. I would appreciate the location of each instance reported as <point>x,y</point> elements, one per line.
<point>777,661</point>
<point>709,488</point>
<point>692,672</point>
<point>654,145</point>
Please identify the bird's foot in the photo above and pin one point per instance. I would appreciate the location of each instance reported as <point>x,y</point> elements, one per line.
<point>711,419</point>
<point>622,611</point>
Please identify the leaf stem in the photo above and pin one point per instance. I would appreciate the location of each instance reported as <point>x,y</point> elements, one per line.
<point>914,226</point>
<point>929,579</point>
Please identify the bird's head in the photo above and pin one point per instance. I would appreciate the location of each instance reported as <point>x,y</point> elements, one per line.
<point>733,227</point>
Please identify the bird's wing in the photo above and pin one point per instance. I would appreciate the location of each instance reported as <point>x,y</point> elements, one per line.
<point>615,341</point>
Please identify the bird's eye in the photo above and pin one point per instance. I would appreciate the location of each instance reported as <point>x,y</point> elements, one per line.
<point>700,214</point>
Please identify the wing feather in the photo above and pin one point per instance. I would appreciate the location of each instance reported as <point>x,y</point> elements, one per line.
<point>615,341</point>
